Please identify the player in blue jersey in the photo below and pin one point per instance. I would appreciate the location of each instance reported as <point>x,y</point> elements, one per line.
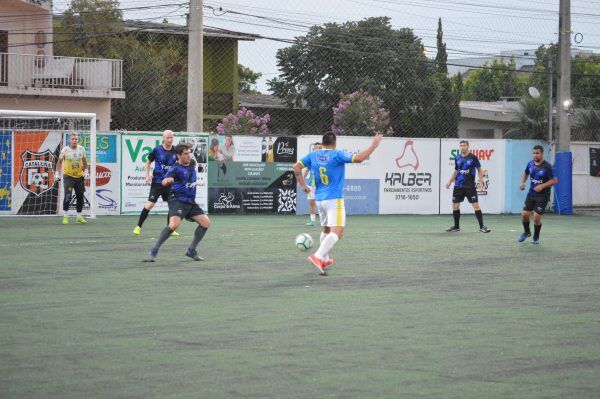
<point>163,157</point>
<point>182,202</point>
<point>541,179</point>
<point>328,166</point>
<point>465,165</point>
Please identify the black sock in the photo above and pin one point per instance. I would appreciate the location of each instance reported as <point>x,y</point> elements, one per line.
<point>456,215</point>
<point>526,227</point>
<point>143,216</point>
<point>536,231</point>
<point>198,235</point>
<point>164,235</point>
<point>479,217</point>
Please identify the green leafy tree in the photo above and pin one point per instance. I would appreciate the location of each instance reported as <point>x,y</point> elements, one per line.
<point>587,126</point>
<point>90,28</point>
<point>533,120</point>
<point>367,55</point>
<point>494,81</point>
<point>441,57</point>
<point>247,78</point>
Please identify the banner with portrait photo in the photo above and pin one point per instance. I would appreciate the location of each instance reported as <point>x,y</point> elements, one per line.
<point>239,148</point>
<point>135,148</point>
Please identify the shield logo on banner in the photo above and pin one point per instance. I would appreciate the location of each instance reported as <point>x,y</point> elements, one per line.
<point>37,172</point>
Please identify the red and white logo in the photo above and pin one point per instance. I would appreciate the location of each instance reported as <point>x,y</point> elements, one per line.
<point>37,172</point>
<point>409,157</point>
<point>103,176</point>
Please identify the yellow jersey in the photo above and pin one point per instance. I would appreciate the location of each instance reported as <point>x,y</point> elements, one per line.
<point>73,161</point>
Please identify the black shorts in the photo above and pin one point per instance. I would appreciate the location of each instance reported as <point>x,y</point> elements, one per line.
<point>77,183</point>
<point>536,203</point>
<point>157,191</point>
<point>184,210</point>
<point>459,194</point>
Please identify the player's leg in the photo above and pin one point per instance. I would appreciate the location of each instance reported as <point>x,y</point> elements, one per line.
<point>203,225</point>
<point>79,187</point>
<point>312,211</point>
<point>478,214</point>
<point>175,208</point>
<point>152,198</point>
<point>528,207</point>
<point>335,220</point>
<point>458,196</point>
<point>165,194</point>
<point>540,207</point>
<point>68,195</point>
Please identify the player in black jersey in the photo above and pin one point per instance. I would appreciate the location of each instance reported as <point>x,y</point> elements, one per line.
<point>465,165</point>
<point>163,157</point>
<point>541,180</point>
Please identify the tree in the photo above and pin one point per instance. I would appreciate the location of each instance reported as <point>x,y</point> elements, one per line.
<point>587,126</point>
<point>441,58</point>
<point>365,55</point>
<point>247,78</point>
<point>90,28</point>
<point>533,120</point>
<point>493,82</point>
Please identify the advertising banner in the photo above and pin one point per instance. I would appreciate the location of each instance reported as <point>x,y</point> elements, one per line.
<point>404,172</point>
<point>34,156</point>
<point>135,149</point>
<point>409,175</point>
<point>491,155</point>
<point>5,170</point>
<point>251,187</point>
<point>226,148</point>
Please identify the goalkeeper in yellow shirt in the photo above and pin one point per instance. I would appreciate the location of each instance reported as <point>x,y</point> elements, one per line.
<point>75,164</point>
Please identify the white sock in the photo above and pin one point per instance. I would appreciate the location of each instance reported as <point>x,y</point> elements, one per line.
<point>326,245</point>
<point>313,217</point>
<point>326,256</point>
<point>78,214</point>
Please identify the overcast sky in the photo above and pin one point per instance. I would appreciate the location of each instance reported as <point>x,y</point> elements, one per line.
<point>470,26</point>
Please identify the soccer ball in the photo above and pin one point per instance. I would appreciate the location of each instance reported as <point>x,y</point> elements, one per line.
<point>304,241</point>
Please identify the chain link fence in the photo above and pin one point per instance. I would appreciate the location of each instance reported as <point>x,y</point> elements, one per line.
<point>315,70</point>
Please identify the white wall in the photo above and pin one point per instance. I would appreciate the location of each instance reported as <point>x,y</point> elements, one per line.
<point>586,188</point>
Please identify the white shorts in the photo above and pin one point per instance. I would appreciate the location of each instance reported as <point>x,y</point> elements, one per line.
<point>332,213</point>
<point>311,195</point>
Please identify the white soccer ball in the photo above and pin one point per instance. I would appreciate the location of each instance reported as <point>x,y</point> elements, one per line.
<point>304,242</point>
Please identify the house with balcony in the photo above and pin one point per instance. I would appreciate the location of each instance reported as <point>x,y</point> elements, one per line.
<point>33,79</point>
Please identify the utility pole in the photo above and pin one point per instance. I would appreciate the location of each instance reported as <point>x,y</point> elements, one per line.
<point>195,89</point>
<point>565,103</point>
<point>563,162</point>
<point>550,105</point>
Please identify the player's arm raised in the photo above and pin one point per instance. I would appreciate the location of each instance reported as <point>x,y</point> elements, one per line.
<point>361,156</point>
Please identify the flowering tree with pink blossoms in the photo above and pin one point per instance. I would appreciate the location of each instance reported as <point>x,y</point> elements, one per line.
<point>360,114</point>
<point>244,122</point>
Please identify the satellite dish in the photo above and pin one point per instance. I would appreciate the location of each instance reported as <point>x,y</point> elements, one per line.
<point>533,92</point>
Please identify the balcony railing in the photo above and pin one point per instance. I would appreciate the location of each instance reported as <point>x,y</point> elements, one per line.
<point>23,71</point>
